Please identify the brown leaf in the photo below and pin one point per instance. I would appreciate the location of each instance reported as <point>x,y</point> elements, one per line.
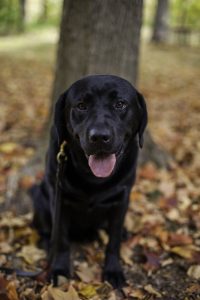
<point>151,290</point>
<point>149,171</point>
<point>177,239</point>
<point>11,291</point>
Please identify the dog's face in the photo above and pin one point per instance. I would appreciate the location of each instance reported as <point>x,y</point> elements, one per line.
<point>101,113</point>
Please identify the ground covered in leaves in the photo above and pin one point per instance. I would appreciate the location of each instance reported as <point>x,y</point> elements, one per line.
<point>161,256</point>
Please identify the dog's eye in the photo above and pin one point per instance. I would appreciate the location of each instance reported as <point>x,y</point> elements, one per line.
<point>82,106</point>
<point>120,105</point>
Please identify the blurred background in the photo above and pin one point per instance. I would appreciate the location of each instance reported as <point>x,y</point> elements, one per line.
<point>45,45</point>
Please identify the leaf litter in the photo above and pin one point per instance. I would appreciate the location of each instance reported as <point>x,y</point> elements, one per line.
<point>161,256</point>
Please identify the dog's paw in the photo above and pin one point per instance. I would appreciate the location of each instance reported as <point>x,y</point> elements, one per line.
<point>59,267</point>
<point>113,272</point>
<point>56,274</point>
<point>115,278</point>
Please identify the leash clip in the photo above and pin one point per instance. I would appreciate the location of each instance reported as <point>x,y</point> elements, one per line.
<point>61,154</point>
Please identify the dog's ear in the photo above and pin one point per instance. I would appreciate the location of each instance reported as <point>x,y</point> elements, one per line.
<point>59,118</point>
<point>143,118</point>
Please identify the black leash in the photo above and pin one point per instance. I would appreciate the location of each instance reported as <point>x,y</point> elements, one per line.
<point>61,159</point>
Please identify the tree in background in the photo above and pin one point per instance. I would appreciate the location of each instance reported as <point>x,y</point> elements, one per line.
<point>22,15</point>
<point>160,26</point>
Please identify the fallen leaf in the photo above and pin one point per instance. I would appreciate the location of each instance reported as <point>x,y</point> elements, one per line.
<point>8,148</point>
<point>5,248</point>
<point>31,254</point>
<point>185,252</point>
<point>151,290</point>
<point>85,273</point>
<point>149,171</point>
<point>53,293</point>
<point>88,291</point>
<point>194,271</point>
<point>167,188</point>
<point>126,253</point>
<point>177,239</point>
<point>11,291</point>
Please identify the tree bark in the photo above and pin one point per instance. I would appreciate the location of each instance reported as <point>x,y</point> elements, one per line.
<point>98,37</point>
<point>160,28</point>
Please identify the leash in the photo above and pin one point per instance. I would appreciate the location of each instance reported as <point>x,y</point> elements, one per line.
<point>61,159</point>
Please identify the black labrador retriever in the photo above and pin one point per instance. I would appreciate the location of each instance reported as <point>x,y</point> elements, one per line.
<point>102,119</point>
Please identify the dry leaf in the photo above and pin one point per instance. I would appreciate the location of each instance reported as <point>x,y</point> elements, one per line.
<point>85,273</point>
<point>137,293</point>
<point>126,253</point>
<point>8,148</point>
<point>31,254</point>
<point>11,291</point>
<point>167,188</point>
<point>151,290</point>
<point>194,271</point>
<point>149,171</point>
<point>88,291</point>
<point>177,239</point>
<point>57,294</point>
<point>185,252</point>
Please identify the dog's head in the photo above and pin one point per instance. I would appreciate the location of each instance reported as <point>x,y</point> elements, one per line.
<point>101,113</point>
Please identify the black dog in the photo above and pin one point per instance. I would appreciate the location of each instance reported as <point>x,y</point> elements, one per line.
<point>102,118</point>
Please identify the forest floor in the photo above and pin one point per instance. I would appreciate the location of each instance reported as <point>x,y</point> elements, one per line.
<point>161,257</point>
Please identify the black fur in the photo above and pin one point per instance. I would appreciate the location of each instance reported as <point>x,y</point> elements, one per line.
<point>100,114</point>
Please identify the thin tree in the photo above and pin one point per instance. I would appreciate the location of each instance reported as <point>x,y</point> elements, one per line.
<point>160,27</point>
<point>22,15</point>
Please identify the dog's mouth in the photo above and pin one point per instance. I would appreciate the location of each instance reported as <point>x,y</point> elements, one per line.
<point>102,165</point>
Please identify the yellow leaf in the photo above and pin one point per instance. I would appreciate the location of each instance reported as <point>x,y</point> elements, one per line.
<point>88,291</point>
<point>185,252</point>
<point>8,148</point>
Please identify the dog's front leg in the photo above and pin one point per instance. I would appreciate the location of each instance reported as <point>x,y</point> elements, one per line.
<point>60,256</point>
<point>113,272</point>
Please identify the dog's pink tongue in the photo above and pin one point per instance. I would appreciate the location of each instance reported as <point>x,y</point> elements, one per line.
<point>102,166</point>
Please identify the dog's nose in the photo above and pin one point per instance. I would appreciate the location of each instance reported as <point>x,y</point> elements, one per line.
<point>102,136</point>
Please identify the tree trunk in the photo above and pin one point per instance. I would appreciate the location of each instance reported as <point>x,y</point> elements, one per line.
<point>98,37</point>
<point>44,13</point>
<point>22,14</point>
<point>160,28</point>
